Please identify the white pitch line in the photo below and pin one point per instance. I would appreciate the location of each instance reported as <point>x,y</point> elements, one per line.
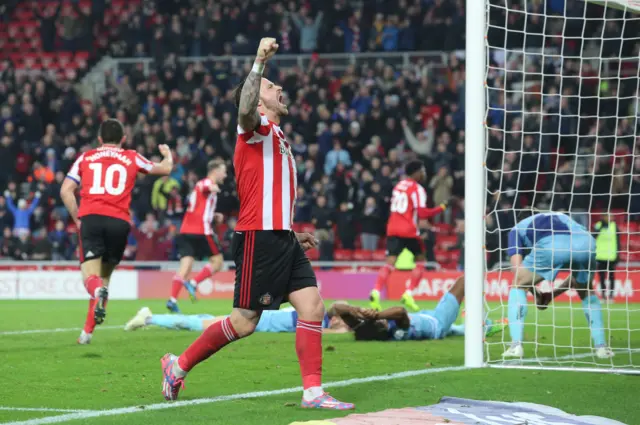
<point>198,401</point>
<point>41,409</point>
<point>43,331</point>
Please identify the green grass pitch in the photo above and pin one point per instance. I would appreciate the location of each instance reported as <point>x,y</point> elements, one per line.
<point>122,370</point>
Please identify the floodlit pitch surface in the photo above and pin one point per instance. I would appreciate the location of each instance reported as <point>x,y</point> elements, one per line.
<point>47,378</point>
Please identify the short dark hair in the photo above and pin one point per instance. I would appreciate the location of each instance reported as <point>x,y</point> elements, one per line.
<point>372,330</point>
<point>111,131</point>
<point>237,92</point>
<point>213,164</point>
<point>413,167</point>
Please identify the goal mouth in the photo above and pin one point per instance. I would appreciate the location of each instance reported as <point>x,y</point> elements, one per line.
<point>561,148</point>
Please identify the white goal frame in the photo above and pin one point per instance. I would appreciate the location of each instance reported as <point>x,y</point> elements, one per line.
<point>475,189</point>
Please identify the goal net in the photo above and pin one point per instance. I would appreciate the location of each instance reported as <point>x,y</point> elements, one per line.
<point>561,135</point>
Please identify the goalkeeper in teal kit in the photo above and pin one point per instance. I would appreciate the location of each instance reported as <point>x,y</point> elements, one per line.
<point>539,247</point>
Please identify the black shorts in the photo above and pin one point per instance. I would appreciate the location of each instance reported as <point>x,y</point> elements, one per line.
<point>270,264</point>
<point>396,245</point>
<point>198,246</point>
<point>103,237</point>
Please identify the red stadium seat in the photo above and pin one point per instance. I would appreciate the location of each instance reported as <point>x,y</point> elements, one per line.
<point>313,254</point>
<point>308,228</point>
<point>379,255</point>
<point>442,256</point>
<point>343,255</point>
<point>446,241</point>
<point>362,255</point>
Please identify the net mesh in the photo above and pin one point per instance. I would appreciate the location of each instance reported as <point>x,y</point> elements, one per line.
<point>562,108</point>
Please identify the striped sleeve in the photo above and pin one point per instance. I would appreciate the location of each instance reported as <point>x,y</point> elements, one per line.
<point>257,135</point>
<point>143,164</point>
<point>74,172</point>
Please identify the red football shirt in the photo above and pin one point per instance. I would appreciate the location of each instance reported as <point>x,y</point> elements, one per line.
<point>108,175</point>
<point>265,177</point>
<point>202,205</point>
<point>408,204</point>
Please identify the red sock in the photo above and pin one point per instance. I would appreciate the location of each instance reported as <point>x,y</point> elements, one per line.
<point>309,350</point>
<point>90,322</point>
<point>212,340</point>
<point>206,272</point>
<point>92,283</point>
<point>176,286</point>
<point>416,276</point>
<point>383,275</point>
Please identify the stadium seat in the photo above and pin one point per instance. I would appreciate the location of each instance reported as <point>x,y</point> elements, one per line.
<point>379,255</point>
<point>313,254</point>
<point>343,255</point>
<point>445,241</point>
<point>442,256</point>
<point>362,255</point>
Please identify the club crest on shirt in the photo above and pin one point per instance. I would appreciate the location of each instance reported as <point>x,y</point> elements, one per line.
<point>285,149</point>
<point>266,299</point>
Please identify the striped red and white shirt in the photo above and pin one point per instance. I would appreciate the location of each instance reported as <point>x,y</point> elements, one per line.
<point>107,176</point>
<point>202,205</point>
<point>266,178</point>
<point>408,205</point>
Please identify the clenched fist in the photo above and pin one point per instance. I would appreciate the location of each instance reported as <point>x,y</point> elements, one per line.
<point>268,47</point>
<point>164,150</point>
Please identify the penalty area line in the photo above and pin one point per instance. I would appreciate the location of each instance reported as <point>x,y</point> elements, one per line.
<point>255,394</point>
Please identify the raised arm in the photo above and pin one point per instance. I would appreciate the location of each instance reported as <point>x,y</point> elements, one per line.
<point>10,204</point>
<point>34,203</point>
<point>248,115</point>
<point>164,167</point>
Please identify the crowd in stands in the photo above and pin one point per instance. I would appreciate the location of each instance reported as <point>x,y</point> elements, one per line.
<point>351,129</point>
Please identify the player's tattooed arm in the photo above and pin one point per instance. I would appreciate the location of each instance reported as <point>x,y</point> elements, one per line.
<point>248,115</point>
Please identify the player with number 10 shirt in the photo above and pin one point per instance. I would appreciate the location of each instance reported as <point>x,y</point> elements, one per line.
<point>106,177</point>
<point>408,206</point>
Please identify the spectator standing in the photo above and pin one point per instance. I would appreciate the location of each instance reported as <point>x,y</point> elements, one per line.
<point>60,242</point>
<point>323,221</point>
<point>304,206</point>
<point>371,224</point>
<point>48,20</point>
<point>150,240</point>
<point>336,156</point>
<point>346,225</point>
<point>8,243</point>
<point>308,28</point>
<point>441,184</point>
<point>607,247</point>
<point>390,34</point>
<point>22,213</point>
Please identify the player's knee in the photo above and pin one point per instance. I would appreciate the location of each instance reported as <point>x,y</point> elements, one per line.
<point>244,322</point>
<point>312,311</point>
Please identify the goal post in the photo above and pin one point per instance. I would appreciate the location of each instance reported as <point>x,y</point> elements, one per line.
<point>474,184</point>
<point>552,125</point>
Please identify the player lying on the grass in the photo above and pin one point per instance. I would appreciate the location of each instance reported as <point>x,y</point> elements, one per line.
<point>106,177</point>
<point>197,237</point>
<point>539,247</point>
<point>284,320</point>
<point>396,323</point>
